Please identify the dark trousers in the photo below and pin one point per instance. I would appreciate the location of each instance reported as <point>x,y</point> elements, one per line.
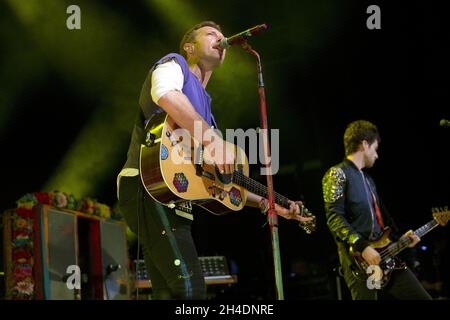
<point>403,285</point>
<point>169,251</point>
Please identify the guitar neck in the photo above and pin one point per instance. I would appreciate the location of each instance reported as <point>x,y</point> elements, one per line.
<point>258,188</point>
<point>403,243</point>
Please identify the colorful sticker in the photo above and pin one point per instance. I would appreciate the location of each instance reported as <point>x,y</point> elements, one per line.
<point>180,182</point>
<point>164,152</point>
<point>235,196</point>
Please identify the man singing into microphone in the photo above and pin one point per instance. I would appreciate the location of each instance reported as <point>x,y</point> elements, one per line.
<point>176,85</point>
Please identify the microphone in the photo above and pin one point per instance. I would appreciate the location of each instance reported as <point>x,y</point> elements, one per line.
<point>241,37</point>
<point>112,268</point>
<point>444,123</point>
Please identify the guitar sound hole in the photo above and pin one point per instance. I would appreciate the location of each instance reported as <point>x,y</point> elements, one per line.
<point>224,178</point>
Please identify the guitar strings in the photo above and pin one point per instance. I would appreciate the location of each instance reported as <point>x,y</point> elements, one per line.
<point>260,187</point>
<point>401,244</point>
<point>255,184</point>
<point>395,248</point>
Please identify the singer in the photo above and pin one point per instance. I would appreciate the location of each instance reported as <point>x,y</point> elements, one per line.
<point>176,85</point>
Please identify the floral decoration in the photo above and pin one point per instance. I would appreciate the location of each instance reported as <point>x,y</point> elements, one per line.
<point>22,285</point>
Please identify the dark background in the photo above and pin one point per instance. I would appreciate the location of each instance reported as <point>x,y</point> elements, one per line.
<point>68,99</point>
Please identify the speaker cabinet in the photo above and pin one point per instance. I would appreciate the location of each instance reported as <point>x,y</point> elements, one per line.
<point>77,256</point>
<point>114,257</point>
<point>59,247</point>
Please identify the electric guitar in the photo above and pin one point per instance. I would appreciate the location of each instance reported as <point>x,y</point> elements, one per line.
<point>173,170</point>
<point>388,250</point>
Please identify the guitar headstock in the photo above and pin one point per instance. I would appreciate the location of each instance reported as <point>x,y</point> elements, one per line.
<point>441,215</point>
<point>307,226</point>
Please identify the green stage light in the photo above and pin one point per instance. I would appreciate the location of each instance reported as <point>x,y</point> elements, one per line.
<point>93,62</point>
<point>178,13</point>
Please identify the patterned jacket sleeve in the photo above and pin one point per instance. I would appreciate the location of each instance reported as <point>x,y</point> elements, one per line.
<point>333,186</point>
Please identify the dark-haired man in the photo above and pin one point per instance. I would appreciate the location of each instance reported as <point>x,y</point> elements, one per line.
<point>356,217</point>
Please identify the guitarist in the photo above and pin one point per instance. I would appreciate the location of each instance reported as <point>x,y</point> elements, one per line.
<point>176,85</point>
<point>356,217</point>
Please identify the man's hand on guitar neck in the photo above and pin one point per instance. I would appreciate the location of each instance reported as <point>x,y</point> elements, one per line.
<point>292,213</point>
<point>413,237</point>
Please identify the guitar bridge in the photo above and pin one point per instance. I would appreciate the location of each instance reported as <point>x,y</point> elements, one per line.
<point>185,206</point>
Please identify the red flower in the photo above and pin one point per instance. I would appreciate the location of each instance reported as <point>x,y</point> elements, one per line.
<point>19,254</point>
<point>22,272</point>
<point>43,197</point>
<point>25,213</point>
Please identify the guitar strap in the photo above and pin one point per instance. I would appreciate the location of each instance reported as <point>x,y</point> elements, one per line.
<point>377,211</point>
<point>374,201</point>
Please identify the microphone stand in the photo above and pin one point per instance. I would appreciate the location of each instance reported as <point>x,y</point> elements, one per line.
<point>272,214</point>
